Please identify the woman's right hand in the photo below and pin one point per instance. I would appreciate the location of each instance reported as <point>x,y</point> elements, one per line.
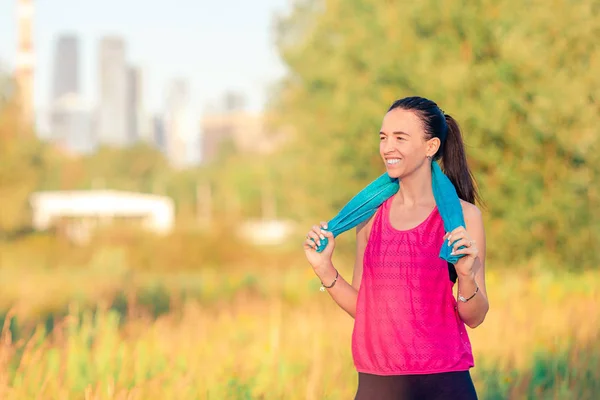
<point>320,262</point>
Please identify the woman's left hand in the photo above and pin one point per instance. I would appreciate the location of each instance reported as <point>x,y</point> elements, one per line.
<point>460,237</point>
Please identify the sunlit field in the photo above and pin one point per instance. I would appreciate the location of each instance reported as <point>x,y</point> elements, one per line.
<point>266,333</point>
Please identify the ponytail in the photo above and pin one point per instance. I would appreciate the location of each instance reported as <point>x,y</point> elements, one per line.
<point>456,168</point>
<point>454,162</point>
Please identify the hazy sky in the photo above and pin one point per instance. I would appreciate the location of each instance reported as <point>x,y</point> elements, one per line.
<point>217,45</point>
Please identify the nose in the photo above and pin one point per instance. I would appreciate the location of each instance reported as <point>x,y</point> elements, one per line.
<point>388,145</point>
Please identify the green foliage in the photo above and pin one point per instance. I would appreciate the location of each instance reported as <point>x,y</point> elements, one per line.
<point>525,91</point>
<point>569,374</point>
<point>22,160</point>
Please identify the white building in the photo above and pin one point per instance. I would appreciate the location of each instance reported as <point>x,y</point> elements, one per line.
<point>78,212</point>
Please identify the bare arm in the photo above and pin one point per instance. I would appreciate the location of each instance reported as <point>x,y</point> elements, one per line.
<point>344,293</point>
<point>473,312</point>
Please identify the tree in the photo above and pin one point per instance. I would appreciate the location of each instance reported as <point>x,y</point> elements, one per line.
<point>525,91</point>
<point>22,160</point>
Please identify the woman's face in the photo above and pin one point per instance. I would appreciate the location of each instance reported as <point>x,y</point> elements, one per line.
<point>403,146</point>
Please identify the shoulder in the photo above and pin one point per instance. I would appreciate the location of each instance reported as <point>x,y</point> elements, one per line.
<point>471,212</point>
<point>470,209</point>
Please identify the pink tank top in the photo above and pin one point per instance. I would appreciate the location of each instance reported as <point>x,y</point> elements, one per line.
<point>406,315</point>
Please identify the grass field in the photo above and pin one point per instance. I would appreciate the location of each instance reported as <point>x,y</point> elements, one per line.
<point>268,333</point>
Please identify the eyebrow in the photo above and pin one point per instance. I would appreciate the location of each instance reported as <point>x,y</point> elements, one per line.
<point>395,133</point>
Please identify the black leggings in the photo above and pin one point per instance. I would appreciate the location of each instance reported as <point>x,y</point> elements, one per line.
<point>442,386</point>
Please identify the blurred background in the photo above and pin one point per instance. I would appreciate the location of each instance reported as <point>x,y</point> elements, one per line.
<point>161,162</point>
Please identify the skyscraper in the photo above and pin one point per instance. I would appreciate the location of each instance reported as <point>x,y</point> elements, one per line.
<point>66,66</point>
<point>179,126</point>
<point>24,71</point>
<point>134,103</point>
<point>112,118</point>
<point>70,117</point>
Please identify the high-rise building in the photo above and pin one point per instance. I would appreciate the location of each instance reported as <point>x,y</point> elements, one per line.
<point>24,71</point>
<point>134,104</point>
<point>112,123</point>
<point>66,66</point>
<point>70,118</point>
<point>179,126</point>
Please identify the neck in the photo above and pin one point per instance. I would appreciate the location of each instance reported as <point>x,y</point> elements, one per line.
<point>415,189</point>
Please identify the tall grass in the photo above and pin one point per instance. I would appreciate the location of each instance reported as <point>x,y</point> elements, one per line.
<point>265,334</point>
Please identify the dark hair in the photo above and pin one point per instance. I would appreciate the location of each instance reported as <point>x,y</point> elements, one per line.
<point>452,150</point>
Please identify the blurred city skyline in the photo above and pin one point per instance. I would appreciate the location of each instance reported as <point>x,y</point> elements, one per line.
<point>216,47</point>
<point>101,76</point>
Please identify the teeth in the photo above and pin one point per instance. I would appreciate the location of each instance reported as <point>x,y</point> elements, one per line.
<point>394,161</point>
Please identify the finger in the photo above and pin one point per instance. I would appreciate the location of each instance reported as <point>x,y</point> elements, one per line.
<point>458,251</point>
<point>455,236</point>
<point>309,244</point>
<point>314,236</point>
<point>317,231</point>
<point>324,224</point>
<point>458,231</point>
<point>470,251</point>
<point>461,242</point>
<point>328,234</point>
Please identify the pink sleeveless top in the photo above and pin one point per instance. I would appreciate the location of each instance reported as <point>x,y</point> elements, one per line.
<point>406,316</point>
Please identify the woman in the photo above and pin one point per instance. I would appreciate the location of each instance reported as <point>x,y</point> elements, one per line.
<point>409,339</point>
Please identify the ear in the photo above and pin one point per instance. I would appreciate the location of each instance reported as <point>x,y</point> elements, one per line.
<point>433,146</point>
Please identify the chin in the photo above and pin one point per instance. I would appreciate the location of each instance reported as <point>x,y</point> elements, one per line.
<point>394,173</point>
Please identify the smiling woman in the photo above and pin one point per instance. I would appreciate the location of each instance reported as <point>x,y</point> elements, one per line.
<point>409,339</point>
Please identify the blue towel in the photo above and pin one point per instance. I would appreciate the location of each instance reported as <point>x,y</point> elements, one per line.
<point>364,204</point>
